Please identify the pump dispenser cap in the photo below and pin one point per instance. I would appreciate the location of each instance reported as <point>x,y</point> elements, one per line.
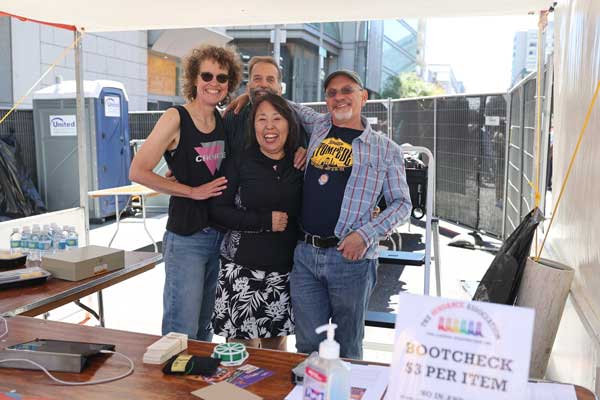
<point>329,348</point>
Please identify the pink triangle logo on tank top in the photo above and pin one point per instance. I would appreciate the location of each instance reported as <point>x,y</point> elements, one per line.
<point>211,154</point>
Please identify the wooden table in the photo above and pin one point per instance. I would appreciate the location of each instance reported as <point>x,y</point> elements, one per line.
<point>147,382</point>
<point>38,299</point>
<point>129,190</point>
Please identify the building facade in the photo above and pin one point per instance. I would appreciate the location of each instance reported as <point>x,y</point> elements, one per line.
<point>28,49</point>
<point>148,63</point>
<point>525,52</point>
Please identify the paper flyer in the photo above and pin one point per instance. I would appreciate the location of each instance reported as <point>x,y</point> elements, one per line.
<point>460,350</point>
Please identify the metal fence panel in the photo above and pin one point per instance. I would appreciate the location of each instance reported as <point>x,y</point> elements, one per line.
<point>413,122</point>
<point>457,150</point>
<point>529,121</point>
<point>492,165</point>
<point>142,123</point>
<point>513,187</point>
<point>520,197</point>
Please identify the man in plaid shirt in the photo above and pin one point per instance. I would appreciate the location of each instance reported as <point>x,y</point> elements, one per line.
<point>348,167</point>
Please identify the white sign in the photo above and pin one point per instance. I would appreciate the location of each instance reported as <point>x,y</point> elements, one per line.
<point>460,350</point>
<point>112,106</point>
<point>63,125</point>
<point>492,121</point>
<point>372,120</point>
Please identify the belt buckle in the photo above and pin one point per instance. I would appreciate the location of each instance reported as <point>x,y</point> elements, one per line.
<point>312,240</point>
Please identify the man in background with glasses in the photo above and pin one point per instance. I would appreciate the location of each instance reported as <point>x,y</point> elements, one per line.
<point>348,166</point>
<point>264,76</point>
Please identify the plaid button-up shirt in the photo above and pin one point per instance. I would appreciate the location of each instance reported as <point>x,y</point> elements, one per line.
<point>378,168</point>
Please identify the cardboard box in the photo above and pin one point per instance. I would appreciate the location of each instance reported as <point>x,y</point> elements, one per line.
<point>83,262</point>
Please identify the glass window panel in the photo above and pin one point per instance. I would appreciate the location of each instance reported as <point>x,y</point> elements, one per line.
<point>396,60</point>
<point>396,31</point>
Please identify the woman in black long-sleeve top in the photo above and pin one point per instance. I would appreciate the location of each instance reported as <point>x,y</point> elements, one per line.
<point>260,209</point>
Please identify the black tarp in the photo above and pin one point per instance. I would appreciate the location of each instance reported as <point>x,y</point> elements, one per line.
<point>18,197</point>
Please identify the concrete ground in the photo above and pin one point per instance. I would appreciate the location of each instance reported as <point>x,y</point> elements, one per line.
<point>136,304</point>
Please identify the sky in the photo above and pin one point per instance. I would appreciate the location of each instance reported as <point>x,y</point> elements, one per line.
<point>479,49</point>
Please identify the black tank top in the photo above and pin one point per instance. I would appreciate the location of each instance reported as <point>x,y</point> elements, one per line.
<point>196,160</point>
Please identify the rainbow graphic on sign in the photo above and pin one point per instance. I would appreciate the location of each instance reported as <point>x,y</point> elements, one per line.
<point>460,326</point>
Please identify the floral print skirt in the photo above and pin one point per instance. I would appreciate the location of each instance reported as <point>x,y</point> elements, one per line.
<point>252,304</point>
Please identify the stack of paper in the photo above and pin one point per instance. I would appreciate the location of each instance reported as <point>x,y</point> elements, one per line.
<point>165,348</point>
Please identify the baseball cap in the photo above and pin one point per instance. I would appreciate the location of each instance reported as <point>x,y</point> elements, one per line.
<point>344,72</point>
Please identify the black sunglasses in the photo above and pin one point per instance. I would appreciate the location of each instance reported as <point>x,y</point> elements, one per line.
<point>208,76</point>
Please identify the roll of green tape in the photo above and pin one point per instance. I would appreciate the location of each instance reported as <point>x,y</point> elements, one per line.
<point>230,354</point>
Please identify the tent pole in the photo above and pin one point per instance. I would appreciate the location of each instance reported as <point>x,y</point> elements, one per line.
<point>82,136</point>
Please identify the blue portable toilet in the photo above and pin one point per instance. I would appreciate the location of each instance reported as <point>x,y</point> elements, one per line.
<point>109,158</point>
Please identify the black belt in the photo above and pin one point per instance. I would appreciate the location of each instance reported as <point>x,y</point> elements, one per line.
<point>320,242</point>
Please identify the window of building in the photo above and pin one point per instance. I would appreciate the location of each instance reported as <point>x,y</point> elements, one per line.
<point>329,28</point>
<point>399,60</point>
<point>398,31</point>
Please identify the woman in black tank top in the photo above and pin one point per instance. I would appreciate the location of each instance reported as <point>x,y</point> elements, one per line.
<point>192,140</point>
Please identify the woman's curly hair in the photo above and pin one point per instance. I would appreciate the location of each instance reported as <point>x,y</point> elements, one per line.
<point>227,58</point>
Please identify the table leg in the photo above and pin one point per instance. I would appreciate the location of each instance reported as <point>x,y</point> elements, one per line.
<point>101,308</point>
<point>117,215</point>
<point>89,310</point>
<point>143,200</point>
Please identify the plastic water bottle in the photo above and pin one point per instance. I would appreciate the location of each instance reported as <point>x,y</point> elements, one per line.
<point>64,234</point>
<point>44,243</point>
<point>25,235</point>
<point>54,233</point>
<point>34,253</point>
<point>59,241</point>
<point>15,241</point>
<point>72,238</point>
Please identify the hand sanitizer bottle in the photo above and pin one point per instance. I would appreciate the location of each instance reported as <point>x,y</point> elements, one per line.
<point>326,377</point>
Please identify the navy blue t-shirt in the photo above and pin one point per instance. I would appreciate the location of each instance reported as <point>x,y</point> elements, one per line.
<point>325,181</point>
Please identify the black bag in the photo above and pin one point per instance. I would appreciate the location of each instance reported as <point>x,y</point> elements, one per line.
<point>18,197</point>
<point>501,281</point>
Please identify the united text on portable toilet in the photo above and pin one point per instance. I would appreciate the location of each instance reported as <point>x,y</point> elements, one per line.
<point>107,121</point>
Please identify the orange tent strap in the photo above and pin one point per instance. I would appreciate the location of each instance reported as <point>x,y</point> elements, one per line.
<point>61,26</point>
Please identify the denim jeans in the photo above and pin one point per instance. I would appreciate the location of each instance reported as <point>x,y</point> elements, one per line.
<point>325,285</point>
<point>191,272</point>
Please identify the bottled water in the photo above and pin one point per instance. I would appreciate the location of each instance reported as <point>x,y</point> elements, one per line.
<point>72,238</point>
<point>25,235</point>
<point>15,241</point>
<point>54,236</point>
<point>34,253</point>
<point>44,243</point>
<point>63,238</point>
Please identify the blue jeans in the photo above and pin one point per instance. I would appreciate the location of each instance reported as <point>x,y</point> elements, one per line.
<point>325,285</point>
<point>191,272</point>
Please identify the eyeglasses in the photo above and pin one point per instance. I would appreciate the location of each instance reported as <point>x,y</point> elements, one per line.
<point>346,90</point>
<point>208,76</point>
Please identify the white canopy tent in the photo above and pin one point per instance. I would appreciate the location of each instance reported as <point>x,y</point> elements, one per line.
<point>118,15</point>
